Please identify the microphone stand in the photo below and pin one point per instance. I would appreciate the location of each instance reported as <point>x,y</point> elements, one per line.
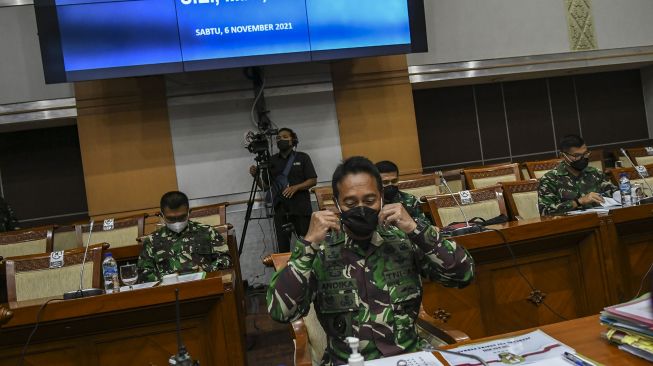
<point>89,291</point>
<point>623,152</point>
<point>182,358</point>
<point>468,229</point>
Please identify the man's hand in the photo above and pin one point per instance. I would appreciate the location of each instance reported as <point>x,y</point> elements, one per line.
<point>290,191</point>
<point>252,170</point>
<point>591,198</point>
<point>321,223</point>
<point>395,214</point>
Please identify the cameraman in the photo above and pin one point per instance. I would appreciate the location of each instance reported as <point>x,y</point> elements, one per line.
<point>292,175</point>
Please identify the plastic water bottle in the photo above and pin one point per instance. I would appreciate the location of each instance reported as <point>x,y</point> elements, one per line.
<point>625,188</point>
<point>110,273</point>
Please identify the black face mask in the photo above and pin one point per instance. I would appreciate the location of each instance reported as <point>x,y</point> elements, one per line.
<point>360,220</point>
<point>389,193</point>
<point>284,145</point>
<point>579,165</point>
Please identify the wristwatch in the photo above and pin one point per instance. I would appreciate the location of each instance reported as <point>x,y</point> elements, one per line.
<point>419,229</point>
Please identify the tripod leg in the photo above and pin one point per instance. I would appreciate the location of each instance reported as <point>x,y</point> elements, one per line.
<point>248,213</point>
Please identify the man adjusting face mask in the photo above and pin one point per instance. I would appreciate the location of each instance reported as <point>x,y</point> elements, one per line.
<point>360,220</point>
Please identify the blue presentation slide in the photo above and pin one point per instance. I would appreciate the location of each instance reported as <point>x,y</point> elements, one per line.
<point>107,34</point>
<point>338,24</point>
<point>100,34</point>
<point>230,28</point>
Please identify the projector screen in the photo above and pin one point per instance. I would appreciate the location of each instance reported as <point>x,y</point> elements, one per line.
<point>94,39</point>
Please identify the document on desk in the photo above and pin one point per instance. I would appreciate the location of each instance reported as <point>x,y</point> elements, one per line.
<point>534,348</point>
<point>412,359</point>
<point>611,202</point>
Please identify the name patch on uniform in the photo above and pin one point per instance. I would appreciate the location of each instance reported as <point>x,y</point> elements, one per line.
<point>396,276</point>
<point>339,285</point>
<point>330,303</point>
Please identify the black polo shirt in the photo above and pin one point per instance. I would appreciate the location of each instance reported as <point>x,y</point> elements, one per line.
<point>302,169</point>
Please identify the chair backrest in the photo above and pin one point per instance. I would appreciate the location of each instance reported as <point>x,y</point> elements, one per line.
<point>117,232</point>
<point>615,174</point>
<point>537,169</point>
<point>485,203</point>
<point>596,160</point>
<point>425,185</point>
<point>641,155</point>
<point>324,197</point>
<point>491,175</point>
<point>521,197</point>
<point>25,242</point>
<point>30,277</point>
<point>455,179</point>
<point>212,215</point>
<point>65,237</point>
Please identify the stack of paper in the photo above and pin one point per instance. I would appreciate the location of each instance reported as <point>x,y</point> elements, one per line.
<point>630,326</point>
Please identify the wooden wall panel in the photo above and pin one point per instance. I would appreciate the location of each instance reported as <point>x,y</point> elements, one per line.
<point>42,178</point>
<point>492,121</point>
<point>447,125</point>
<point>611,106</point>
<point>376,114</point>
<point>126,146</point>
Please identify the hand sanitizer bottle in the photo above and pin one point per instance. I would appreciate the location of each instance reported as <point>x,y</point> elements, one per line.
<point>355,358</point>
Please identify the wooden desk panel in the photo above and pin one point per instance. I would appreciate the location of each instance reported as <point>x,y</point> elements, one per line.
<point>583,335</point>
<point>632,229</point>
<point>561,257</point>
<point>131,328</point>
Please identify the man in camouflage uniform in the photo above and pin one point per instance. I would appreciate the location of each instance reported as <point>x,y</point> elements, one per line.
<point>573,184</point>
<point>181,246</point>
<point>362,271</point>
<point>8,220</point>
<point>391,193</point>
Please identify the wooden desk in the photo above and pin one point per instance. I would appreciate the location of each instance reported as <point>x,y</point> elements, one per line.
<point>561,257</point>
<point>628,235</point>
<point>583,335</point>
<point>131,328</point>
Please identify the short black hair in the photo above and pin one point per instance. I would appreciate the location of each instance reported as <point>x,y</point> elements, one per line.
<point>293,135</point>
<point>355,165</point>
<point>570,141</point>
<point>386,166</point>
<point>173,200</point>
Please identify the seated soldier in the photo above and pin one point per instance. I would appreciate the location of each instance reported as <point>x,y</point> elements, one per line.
<point>181,246</point>
<point>391,193</point>
<point>362,270</point>
<point>573,184</point>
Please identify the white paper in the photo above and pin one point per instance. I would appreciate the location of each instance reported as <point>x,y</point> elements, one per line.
<point>191,277</point>
<point>525,349</point>
<point>138,286</point>
<point>642,309</point>
<point>588,211</point>
<point>412,359</point>
<point>611,202</point>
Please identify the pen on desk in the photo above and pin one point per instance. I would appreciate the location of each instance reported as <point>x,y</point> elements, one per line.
<point>576,360</point>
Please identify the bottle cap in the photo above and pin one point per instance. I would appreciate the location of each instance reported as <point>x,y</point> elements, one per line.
<point>108,254</point>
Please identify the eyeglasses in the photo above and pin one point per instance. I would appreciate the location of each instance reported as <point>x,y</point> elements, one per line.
<point>586,154</point>
<point>173,219</point>
<point>387,182</point>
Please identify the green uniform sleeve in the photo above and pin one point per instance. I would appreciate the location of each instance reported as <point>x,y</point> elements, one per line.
<point>443,260</point>
<point>221,250</point>
<point>607,189</point>
<point>414,208</point>
<point>549,202</point>
<point>291,289</point>
<point>147,268</point>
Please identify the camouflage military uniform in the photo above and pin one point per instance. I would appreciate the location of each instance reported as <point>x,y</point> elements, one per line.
<point>197,248</point>
<point>7,218</point>
<point>559,188</point>
<point>412,206</point>
<point>371,290</point>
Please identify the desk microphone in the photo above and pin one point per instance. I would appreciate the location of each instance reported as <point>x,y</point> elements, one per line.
<point>81,292</point>
<point>467,229</point>
<point>623,152</point>
<point>182,358</point>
